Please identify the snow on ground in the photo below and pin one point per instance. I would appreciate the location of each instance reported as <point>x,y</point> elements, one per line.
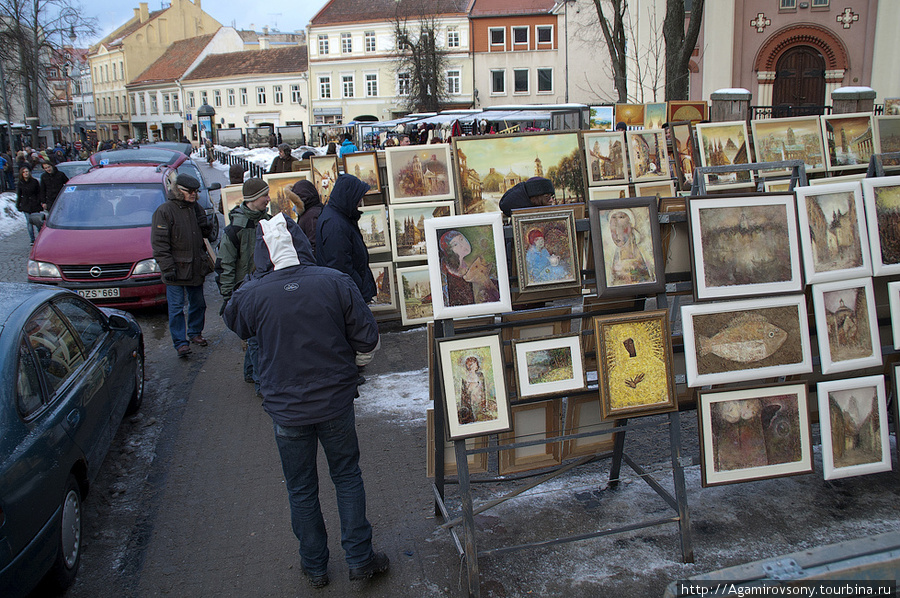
<point>11,219</point>
<point>403,394</point>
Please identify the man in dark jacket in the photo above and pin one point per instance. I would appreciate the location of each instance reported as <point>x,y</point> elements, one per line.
<point>237,258</point>
<point>339,242</point>
<point>536,191</point>
<point>305,197</point>
<point>178,248</point>
<point>313,328</point>
<point>52,183</point>
<point>284,161</point>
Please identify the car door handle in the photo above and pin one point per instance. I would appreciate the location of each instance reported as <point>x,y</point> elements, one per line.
<point>73,418</point>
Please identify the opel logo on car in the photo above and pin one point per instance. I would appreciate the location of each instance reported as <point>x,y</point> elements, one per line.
<point>96,271</point>
<point>291,286</point>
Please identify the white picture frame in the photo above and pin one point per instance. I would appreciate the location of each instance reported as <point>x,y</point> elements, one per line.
<point>385,299</point>
<point>413,309</point>
<point>882,199</point>
<point>893,289</point>
<point>427,169</point>
<point>406,244</point>
<point>846,402</point>
<point>851,126</point>
<point>530,355</point>
<point>484,287</point>
<point>376,232</point>
<point>848,340</point>
<point>845,252</point>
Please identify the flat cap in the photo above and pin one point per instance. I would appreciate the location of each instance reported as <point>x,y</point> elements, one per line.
<point>186,181</point>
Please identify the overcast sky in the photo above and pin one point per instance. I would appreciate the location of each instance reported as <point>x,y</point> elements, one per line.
<point>243,14</point>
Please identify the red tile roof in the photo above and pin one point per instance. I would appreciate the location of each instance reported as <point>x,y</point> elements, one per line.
<point>354,11</point>
<point>494,8</point>
<point>176,59</point>
<point>251,62</point>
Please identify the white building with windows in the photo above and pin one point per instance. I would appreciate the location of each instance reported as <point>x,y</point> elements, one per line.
<point>353,73</point>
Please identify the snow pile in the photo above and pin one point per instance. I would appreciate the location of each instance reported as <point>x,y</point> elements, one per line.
<point>11,219</point>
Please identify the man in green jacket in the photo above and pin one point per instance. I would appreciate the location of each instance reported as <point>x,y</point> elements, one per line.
<point>236,256</point>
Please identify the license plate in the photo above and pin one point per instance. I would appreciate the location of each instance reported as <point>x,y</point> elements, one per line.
<point>98,293</point>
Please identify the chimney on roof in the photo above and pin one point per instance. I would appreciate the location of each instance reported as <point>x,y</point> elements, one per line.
<point>264,38</point>
<point>143,12</point>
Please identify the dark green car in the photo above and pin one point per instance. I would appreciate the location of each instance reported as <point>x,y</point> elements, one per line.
<point>69,373</point>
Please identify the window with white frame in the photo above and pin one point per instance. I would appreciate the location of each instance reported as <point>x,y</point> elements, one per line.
<point>325,86</point>
<point>229,94</point>
<point>278,94</point>
<point>122,68</point>
<point>454,82</point>
<point>115,73</point>
<point>452,37</point>
<point>323,44</point>
<point>788,4</point>
<point>204,98</point>
<point>217,98</point>
<point>402,44</point>
<point>244,99</point>
<point>520,36</point>
<point>370,41</point>
<point>520,80</point>
<point>192,103</point>
<point>346,43</point>
<point>133,105</point>
<point>106,72</point>
<point>820,3</point>
<point>119,105</point>
<point>403,81</point>
<point>371,85</point>
<point>544,34</point>
<point>143,103</point>
<point>545,80</point>
<point>105,105</point>
<point>154,104</point>
<point>498,81</point>
<point>260,95</point>
<point>497,36</point>
<point>175,104</point>
<point>347,86</point>
<point>295,94</point>
<point>167,104</point>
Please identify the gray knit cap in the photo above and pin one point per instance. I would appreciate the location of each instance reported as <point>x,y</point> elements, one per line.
<point>253,188</point>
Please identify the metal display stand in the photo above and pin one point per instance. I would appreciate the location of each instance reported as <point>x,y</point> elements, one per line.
<point>797,167</point>
<point>466,544</point>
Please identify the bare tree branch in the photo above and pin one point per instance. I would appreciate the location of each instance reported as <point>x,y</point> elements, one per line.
<point>680,45</point>
<point>615,42</point>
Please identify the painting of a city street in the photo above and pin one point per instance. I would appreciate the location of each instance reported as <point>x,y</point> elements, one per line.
<point>849,141</point>
<point>408,227</point>
<point>420,173</point>
<point>724,144</point>
<point>490,165</point>
<point>780,139</point>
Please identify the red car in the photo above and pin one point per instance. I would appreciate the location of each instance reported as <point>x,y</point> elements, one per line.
<point>96,240</point>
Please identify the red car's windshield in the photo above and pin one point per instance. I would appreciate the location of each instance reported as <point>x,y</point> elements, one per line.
<point>105,206</point>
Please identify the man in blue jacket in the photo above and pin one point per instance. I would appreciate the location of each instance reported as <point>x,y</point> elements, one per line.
<point>347,146</point>
<point>313,329</point>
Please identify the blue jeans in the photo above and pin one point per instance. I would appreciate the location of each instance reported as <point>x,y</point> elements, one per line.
<point>251,361</point>
<point>196,312</point>
<point>33,228</point>
<point>298,448</point>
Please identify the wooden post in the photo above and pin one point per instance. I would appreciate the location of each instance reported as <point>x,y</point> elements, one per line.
<point>729,104</point>
<point>846,100</point>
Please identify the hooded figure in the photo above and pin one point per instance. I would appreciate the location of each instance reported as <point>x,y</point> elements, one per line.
<point>308,205</point>
<point>536,191</point>
<point>339,242</point>
<point>52,182</point>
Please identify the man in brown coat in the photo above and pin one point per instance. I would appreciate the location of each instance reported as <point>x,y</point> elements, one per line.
<point>179,250</point>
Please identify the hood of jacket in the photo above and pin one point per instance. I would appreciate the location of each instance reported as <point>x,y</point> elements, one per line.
<point>281,244</point>
<point>515,198</point>
<point>303,195</point>
<point>346,195</point>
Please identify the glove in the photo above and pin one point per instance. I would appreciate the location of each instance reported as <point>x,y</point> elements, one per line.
<point>169,277</point>
<point>364,359</point>
<point>222,309</point>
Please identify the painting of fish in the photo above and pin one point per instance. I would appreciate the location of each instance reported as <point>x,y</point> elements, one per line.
<point>746,340</point>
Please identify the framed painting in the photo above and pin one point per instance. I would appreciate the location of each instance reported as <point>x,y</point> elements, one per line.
<point>583,417</point>
<point>627,247</point>
<point>602,118</point>
<point>647,155</point>
<point>887,137</point>
<point>478,463</point>
<point>324,171</point>
<point>604,155</point>
<point>534,422</point>
<point>408,227</point>
<point>473,387</point>
<point>844,178</point>
<point>849,141</point>
<point>655,115</point>
<point>892,106</point>
<point>489,165</point>
<point>693,111</point>
<point>636,373</point>
<point>832,232</point>
<point>385,294</point>
<point>754,433</point>
<point>551,321</point>
<point>415,295</point>
<point>279,200</point>
<point>893,289</point>
<point>232,197</point>
<point>685,154</point>
<point>780,139</point>
<point>846,325</point>
<point>548,365</point>
<point>364,166</point>
<point>467,265</point>
<point>676,248</point>
<point>659,189</point>
<point>630,114</point>
<point>546,250</point>
<point>777,186</point>
<point>744,246</point>
<point>882,198</point>
<point>737,341</point>
<point>419,173</point>
<point>724,144</point>
<point>612,192</point>
<point>373,225</point>
<point>853,426</point>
